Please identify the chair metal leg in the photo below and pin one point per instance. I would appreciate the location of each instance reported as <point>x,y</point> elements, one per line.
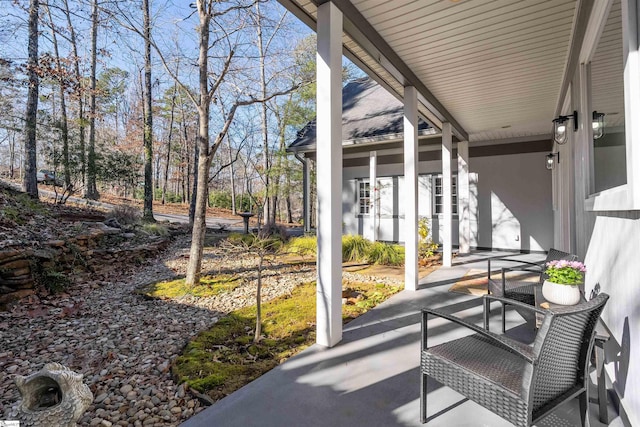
<point>487,313</point>
<point>601,381</point>
<point>423,398</point>
<point>584,408</point>
<point>503,318</point>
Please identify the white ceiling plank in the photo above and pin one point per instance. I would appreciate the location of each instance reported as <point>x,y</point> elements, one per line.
<point>491,63</point>
<point>510,15</point>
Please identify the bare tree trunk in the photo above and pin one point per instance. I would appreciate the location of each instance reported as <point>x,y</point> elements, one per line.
<point>263,112</point>
<point>289,208</point>
<point>12,154</point>
<point>64,124</point>
<point>280,159</point>
<point>148,119</point>
<point>258,332</point>
<point>199,221</point>
<point>168,159</point>
<point>207,152</point>
<point>91,191</point>
<point>233,182</point>
<point>30,182</point>
<point>189,170</point>
<point>156,171</point>
<point>184,155</point>
<point>80,94</point>
<point>194,193</point>
<point>183,181</point>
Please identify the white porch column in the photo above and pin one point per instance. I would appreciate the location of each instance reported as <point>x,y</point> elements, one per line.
<point>329,175</point>
<point>411,188</point>
<point>374,194</point>
<point>464,230</point>
<point>447,221</point>
<point>631,53</point>
<point>306,193</point>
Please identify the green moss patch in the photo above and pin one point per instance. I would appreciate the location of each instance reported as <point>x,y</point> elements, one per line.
<point>224,358</point>
<point>209,286</point>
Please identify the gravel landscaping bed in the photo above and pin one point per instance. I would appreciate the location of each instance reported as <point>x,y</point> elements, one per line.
<point>123,342</point>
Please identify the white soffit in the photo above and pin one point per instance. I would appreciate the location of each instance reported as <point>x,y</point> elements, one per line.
<point>497,66</point>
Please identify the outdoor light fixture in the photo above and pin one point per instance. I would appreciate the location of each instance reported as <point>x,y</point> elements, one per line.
<point>597,124</point>
<point>560,127</point>
<point>551,157</point>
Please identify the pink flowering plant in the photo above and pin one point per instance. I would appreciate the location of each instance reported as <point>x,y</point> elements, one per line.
<point>565,272</point>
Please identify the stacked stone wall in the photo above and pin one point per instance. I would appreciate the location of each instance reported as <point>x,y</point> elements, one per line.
<point>20,266</point>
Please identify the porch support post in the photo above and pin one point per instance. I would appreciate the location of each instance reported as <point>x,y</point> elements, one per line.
<point>374,194</point>
<point>631,53</point>
<point>329,175</point>
<point>306,194</point>
<point>464,231</point>
<point>410,188</point>
<point>447,221</point>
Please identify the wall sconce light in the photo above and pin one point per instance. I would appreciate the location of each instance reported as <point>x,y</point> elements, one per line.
<point>597,124</point>
<point>551,160</point>
<point>560,127</point>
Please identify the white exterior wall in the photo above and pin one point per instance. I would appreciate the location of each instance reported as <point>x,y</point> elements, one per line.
<point>514,206</point>
<point>514,203</point>
<point>608,224</point>
<point>612,262</point>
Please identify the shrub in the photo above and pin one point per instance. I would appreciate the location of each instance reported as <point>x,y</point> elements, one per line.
<point>243,203</point>
<point>155,229</point>
<point>303,246</point>
<point>169,197</point>
<point>240,238</point>
<point>274,231</point>
<point>50,278</point>
<point>355,248</point>
<point>125,214</point>
<point>220,199</point>
<point>385,254</point>
<point>426,246</point>
<point>12,214</point>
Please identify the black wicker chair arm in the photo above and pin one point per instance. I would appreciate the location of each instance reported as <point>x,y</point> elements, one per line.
<point>512,345</point>
<point>514,303</point>
<point>532,264</point>
<point>529,269</point>
<point>527,263</point>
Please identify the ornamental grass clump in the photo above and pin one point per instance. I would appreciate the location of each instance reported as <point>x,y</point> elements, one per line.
<point>565,272</point>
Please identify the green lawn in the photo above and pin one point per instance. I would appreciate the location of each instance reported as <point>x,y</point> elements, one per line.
<point>224,358</point>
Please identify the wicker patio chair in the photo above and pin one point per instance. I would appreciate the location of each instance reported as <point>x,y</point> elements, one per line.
<point>520,290</point>
<point>518,382</point>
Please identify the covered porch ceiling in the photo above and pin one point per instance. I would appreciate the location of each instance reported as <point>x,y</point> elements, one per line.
<point>494,69</point>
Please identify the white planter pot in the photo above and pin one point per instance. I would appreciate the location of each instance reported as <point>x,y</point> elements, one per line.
<point>561,294</point>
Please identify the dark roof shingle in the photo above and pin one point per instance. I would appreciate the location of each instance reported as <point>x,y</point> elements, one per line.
<point>369,112</point>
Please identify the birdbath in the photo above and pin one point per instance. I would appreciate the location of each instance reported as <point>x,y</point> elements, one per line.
<point>245,217</point>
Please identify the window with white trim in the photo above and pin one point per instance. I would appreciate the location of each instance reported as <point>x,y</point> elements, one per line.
<point>606,81</point>
<point>364,197</point>
<point>438,195</point>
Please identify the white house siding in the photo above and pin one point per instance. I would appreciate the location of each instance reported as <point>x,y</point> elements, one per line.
<point>612,261</point>
<point>514,206</point>
<point>509,210</point>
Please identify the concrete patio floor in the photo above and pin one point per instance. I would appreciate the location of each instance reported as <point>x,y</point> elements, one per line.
<point>371,378</point>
